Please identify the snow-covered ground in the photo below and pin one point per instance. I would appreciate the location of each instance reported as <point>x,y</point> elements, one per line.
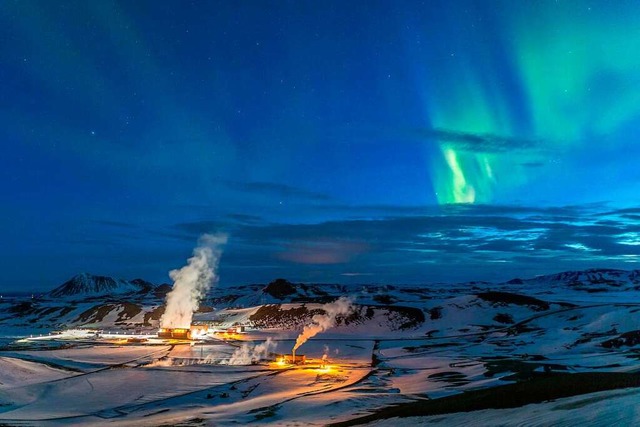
<point>607,408</point>
<point>15,372</point>
<point>399,345</point>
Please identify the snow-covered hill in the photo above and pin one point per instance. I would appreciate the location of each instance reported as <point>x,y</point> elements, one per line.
<point>436,309</point>
<point>591,281</point>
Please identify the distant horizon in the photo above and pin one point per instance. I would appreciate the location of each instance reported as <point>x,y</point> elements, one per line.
<point>350,283</point>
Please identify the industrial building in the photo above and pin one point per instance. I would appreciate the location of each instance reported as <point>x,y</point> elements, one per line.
<point>175,333</point>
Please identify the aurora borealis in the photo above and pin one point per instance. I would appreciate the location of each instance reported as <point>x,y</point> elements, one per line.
<point>561,76</point>
<point>340,141</point>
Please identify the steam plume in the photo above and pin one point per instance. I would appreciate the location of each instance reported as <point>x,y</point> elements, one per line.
<point>247,355</point>
<point>321,322</point>
<point>325,355</point>
<point>191,282</point>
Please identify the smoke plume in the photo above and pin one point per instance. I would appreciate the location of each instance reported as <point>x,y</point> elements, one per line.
<point>321,322</point>
<point>192,282</point>
<point>247,354</point>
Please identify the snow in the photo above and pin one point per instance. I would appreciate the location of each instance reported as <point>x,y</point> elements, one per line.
<point>16,372</point>
<point>89,358</point>
<point>465,343</point>
<point>107,390</point>
<point>144,390</point>
<point>614,407</point>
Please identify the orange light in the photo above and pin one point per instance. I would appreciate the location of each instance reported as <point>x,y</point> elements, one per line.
<point>325,368</point>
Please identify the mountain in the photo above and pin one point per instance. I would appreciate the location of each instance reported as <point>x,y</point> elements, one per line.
<point>596,276</point>
<point>594,280</point>
<point>86,284</point>
<point>443,309</point>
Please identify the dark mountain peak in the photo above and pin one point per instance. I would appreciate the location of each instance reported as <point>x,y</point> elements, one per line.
<point>89,284</point>
<point>144,285</point>
<point>280,288</point>
<point>162,290</point>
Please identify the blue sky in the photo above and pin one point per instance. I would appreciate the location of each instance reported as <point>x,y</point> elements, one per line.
<point>334,142</point>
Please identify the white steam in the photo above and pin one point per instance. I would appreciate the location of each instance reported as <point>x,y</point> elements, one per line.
<point>321,322</point>
<point>246,355</point>
<point>192,282</point>
<point>325,353</point>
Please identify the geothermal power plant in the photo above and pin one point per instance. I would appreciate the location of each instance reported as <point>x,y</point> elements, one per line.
<point>174,333</point>
<point>193,281</point>
<point>194,331</point>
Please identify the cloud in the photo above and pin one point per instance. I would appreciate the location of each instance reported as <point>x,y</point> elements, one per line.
<point>482,142</point>
<point>322,251</point>
<point>116,224</point>
<point>625,211</point>
<point>244,218</point>
<point>352,274</point>
<point>276,190</point>
<point>202,227</point>
<point>532,164</point>
<point>426,244</point>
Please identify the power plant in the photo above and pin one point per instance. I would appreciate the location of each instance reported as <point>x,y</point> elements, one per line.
<point>175,333</point>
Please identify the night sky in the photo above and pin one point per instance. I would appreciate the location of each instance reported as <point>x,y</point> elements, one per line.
<point>334,141</point>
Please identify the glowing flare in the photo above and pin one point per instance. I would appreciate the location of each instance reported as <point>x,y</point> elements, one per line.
<point>324,369</point>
